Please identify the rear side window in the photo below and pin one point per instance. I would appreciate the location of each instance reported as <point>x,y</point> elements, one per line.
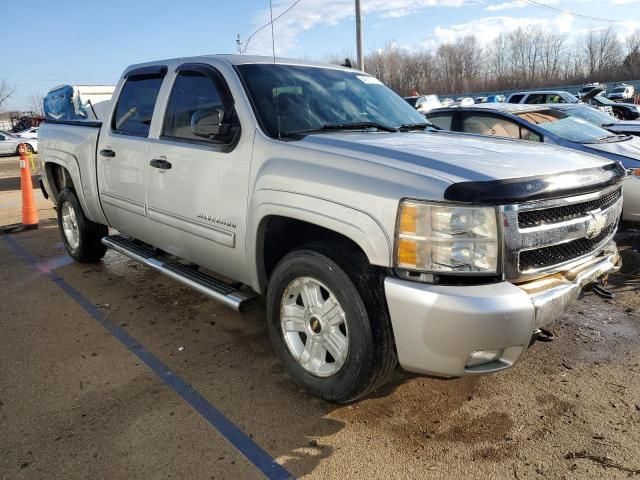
<point>135,105</point>
<point>443,122</point>
<point>536,98</point>
<point>194,95</point>
<point>515,98</point>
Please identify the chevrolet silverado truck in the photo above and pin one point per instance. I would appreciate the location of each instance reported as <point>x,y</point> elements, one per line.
<point>374,239</point>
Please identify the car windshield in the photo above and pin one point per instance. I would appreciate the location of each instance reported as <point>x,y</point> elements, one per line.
<point>565,126</point>
<point>591,115</point>
<point>289,98</point>
<point>602,100</point>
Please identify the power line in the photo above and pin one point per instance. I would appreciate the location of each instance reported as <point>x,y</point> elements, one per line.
<point>560,10</point>
<point>246,42</point>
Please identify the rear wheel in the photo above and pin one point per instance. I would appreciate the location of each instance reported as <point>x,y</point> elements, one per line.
<point>328,322</point>
<point>81,237</point>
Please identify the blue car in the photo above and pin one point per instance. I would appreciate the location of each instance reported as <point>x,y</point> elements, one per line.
<point>544,123</point>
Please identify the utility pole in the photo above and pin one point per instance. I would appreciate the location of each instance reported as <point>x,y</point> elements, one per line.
<point>359,37</point>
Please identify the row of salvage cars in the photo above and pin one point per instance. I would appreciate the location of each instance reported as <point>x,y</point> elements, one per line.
<point>576,126</point>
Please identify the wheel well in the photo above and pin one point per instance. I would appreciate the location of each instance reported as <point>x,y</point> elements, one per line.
<point>59,178</point>
<point>280,235</point>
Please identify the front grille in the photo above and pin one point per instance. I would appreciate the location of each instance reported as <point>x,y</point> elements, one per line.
<point>534,218</point>
<point>564,252</point>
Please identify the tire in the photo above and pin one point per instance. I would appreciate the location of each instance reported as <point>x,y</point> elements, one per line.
<point>81,237</point>
<point>27,146</point>
<point>346,276</point>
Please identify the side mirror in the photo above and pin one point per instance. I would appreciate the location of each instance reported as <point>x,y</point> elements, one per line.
<point>207,123</point>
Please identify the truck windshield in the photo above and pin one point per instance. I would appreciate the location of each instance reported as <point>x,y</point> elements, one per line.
<point>564,126</point>
<point>289,98</point>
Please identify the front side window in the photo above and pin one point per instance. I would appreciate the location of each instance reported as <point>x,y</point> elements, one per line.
<point>443,122</point>
<point>135,106</point>
<point>515,98</point>
<point>195,100</point>
<point>292,98</point>
<point>564,126</point>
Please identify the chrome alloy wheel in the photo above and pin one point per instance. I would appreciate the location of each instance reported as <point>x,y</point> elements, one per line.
<point>314,326</point>
<point>70,225</point>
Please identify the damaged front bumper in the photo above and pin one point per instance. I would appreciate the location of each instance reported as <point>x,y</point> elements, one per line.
<point>439,329</point>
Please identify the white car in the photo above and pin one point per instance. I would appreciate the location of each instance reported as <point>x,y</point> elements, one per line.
<point>9,143</point>
<point>28,133</point>
<point>622,92</point>
<point>424,103</point>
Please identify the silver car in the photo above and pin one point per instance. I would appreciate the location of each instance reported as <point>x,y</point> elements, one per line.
<point>9,143</point>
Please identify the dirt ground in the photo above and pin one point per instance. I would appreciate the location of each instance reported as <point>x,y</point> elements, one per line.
<point>75,403</point>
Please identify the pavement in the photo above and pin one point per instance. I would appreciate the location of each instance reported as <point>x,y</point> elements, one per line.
<point>10,197</point>
<point>114,371</point>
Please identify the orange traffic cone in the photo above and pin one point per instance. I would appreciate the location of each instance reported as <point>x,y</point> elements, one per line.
<point>29,210</point>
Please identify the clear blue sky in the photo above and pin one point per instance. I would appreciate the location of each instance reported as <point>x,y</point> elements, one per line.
<point>47,43</point>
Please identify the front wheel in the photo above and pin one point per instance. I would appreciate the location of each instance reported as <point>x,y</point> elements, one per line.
<point>82,238</point>
<point>328,323</point>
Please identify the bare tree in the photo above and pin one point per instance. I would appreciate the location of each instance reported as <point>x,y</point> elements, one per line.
<point>601,50</point>
<point>631,62</point>
<point>6,91</point>
<point>36,104</point>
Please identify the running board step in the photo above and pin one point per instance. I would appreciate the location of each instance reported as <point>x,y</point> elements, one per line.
<point>205,284</point>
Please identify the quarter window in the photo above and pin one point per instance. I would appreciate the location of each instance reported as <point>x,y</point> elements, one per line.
<point>195,96</point>
<point>135,105</point>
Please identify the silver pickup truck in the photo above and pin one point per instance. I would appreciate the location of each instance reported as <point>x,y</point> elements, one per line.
<point>374,238</point>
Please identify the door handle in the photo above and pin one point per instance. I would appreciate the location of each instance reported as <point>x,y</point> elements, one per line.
<point>107,152</point>
<point>160,163</point>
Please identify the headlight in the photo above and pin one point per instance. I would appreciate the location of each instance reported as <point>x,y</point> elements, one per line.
<point>449,239</point>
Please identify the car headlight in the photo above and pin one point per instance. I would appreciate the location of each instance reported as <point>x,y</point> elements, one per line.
<point>447,239</point>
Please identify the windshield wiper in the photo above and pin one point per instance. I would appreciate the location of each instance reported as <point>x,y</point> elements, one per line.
<point>343,126</point>
<point>407,127</point>
<point>613,138</point>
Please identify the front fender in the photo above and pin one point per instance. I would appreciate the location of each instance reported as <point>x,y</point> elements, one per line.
<point>361,227</point>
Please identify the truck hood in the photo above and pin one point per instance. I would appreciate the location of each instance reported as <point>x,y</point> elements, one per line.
<point>455,157</point>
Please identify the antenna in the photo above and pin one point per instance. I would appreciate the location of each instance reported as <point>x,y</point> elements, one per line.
<point>239,44</point>
<point>273,50</point>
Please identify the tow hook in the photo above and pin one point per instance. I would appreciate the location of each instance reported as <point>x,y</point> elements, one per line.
<point>542,335</point>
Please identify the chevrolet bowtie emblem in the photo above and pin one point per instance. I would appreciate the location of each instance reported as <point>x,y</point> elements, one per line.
<point>596,224</point>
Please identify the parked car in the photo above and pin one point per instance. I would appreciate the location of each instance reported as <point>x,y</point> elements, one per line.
<point>373,239</point>
<point>10,142</point>
<point>554,96</point>
<point>621,93</point>
<point>543,96</point>
<point>544,123</point>
<point>588,89</point>
<point>623,111</point>
<point>29,133</point>
<point>424,103</point>
<point>627,127</point>
<point>480,100</point>
<point>448,101</point>
<point>496,98</point>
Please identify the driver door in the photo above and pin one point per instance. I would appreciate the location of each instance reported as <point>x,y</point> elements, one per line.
<point>198,174</point>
